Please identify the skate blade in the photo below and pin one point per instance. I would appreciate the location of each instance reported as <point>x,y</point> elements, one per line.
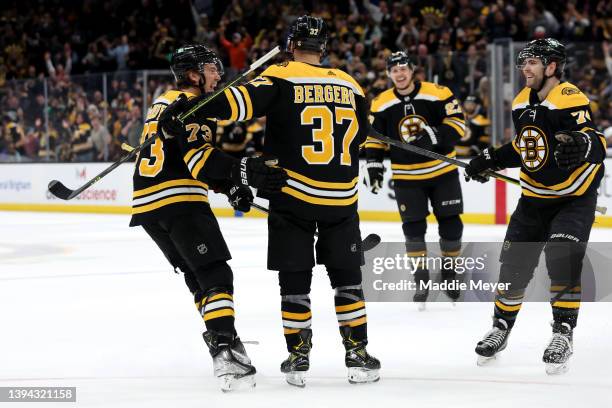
<point>484,361</point>
<point>556,368</point>
<point>421,306</point>
<point>296,378</point>
<point>358,375</point>
<point>231,382</point>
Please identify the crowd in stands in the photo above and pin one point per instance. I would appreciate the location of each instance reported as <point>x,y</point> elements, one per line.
<point>70,89</point>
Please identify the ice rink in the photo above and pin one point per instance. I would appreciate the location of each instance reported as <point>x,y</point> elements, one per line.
<point>86,301</point>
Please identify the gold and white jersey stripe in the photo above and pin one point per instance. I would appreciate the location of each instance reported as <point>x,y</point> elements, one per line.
<point>196,158</point>
<point>576,184</point>
<point>321,192</point>
<point>168,192</point>
<point>456,123</point>
<point>240,103</point>
<point>424,170</point>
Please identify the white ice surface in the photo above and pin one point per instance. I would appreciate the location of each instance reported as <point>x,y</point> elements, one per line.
<point>86,301</point>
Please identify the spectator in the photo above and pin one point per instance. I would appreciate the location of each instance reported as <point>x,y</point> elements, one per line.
<point>101,139</point>
<point>132,130</point>
<point>237,49</point>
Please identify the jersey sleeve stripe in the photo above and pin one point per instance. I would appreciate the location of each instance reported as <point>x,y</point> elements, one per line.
<point>456,121</point>
<point>240,100</point>
<point>247,102</point>
<point>458,128</point>
<point>198,166</point>
<point>192,152</point>
<point>232,102</point>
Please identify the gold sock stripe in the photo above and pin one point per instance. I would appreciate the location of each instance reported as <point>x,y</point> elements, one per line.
<point>290,331</point>
<point>450,253</point>
<point>218,313</point>
<point>352,306</point>
<point>297,316</point>
<point>507,308</point>
<point>566,305</point>
<point>560,288</point>
<point>417,254</point>
<point>356,322</point>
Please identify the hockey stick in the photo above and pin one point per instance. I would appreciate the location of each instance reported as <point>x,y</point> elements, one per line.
<point>433,155</point>
<point>366,244</point>
<point>58,189</point>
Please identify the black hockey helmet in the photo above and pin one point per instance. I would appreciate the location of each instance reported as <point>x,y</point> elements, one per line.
<point>400,58</point>
<point>307,33</point>
<point>472,98</point>
<point>547,50</point>
<point>192,57</point>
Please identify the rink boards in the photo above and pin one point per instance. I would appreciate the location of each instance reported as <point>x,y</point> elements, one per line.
<point>23,187</point>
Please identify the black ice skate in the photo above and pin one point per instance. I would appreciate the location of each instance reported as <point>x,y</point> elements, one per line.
<point>559,349</point>
<point>298,362</point>
<point>452,281</point>
<point>421,278</point>
<point>493,342</point>
<point>232,366</point>
<point>362,367</point>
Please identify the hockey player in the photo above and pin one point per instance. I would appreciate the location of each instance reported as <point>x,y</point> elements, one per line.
<point>476,137</point>
<point>316,121</point>
<point>171,182</point>
<point>561,159</point>
<point>429,116</point>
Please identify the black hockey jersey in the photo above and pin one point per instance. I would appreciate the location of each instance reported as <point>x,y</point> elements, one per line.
<point>316,120</point>
<point>170,176</point>
<point>536,122</point>
<point>402,116</point>
<point>476,137</point>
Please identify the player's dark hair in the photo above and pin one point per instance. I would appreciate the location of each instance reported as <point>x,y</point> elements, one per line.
<point>547,50</point>
<point>192,57</point>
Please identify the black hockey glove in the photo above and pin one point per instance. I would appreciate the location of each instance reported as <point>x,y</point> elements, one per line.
<point>240,198</point>
<point>168,124</point>
<point>426,138</point>
<point>481,163</point>
<point>374,176</point>
<point>260,173</point>
<point>573,149</point>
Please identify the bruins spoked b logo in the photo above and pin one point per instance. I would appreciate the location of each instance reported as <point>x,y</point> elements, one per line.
<point>409,126</point>
<point>533,147</point>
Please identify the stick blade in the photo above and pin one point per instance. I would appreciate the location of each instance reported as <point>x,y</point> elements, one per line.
<point>59,190</point>
<point>370,242</point>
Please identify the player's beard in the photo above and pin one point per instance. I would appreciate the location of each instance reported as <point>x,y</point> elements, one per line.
<point>538,83</point>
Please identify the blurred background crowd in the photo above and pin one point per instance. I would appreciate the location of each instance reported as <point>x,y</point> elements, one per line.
<point>76,76</point>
